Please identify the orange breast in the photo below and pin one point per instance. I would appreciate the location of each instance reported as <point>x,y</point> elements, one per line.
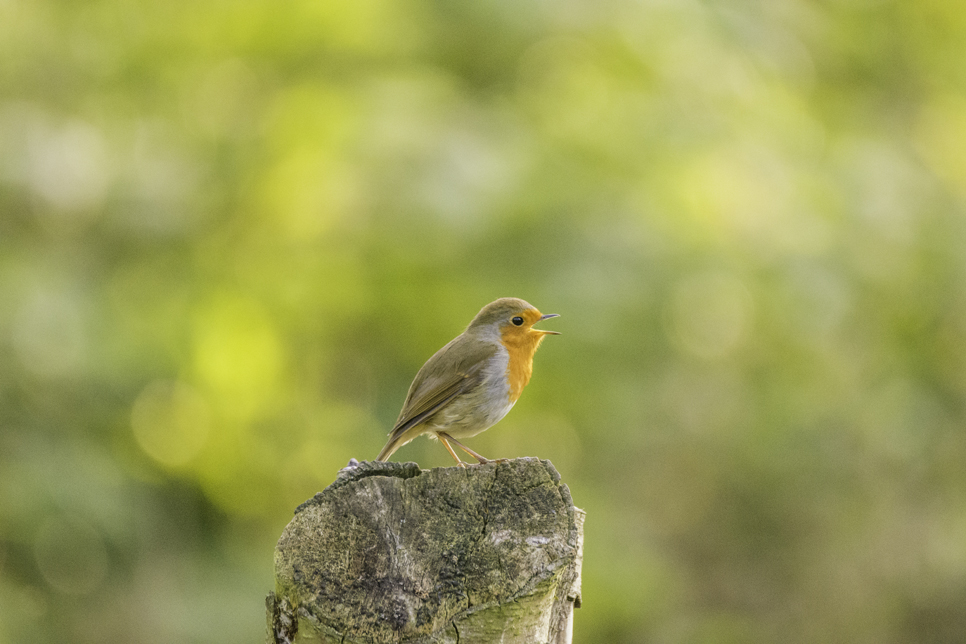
<point>520,348</point>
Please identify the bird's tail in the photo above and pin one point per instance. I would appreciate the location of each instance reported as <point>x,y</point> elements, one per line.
<point>402,434</point>
<point>390,447</point>
<point>387,451</point>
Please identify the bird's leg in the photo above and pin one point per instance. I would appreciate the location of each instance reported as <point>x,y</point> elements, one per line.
<point>482,459</point>
<point>442,439</point>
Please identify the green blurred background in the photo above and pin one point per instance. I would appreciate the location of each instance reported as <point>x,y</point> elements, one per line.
<point>231,232</point>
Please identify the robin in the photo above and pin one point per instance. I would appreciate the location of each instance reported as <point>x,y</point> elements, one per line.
<point>472,382</point>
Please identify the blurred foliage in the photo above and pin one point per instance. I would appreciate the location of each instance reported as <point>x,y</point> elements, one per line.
<point>231,232</point>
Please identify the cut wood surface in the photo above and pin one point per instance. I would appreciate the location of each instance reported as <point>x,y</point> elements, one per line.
<point>393,553</point>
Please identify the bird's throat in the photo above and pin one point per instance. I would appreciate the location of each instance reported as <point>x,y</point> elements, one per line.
<point>520,349</point>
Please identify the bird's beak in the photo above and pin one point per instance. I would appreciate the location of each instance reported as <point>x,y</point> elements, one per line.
<point>547,317</point>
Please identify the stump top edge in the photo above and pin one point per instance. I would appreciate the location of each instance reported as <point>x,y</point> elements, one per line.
<point>356,471</point>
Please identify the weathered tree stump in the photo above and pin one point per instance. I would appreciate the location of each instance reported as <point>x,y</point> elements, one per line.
<point>392,553</point>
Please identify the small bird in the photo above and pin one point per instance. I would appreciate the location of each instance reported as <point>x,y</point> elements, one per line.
<point>472,382</point>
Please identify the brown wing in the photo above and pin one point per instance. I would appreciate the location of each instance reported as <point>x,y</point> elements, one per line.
<point>455,368</point>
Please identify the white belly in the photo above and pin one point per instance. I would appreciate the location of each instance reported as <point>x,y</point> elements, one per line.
<point>477,410</point>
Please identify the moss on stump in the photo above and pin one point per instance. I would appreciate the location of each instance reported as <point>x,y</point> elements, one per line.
<point>392,553</point>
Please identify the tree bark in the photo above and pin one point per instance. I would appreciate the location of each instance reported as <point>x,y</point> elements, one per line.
<point>392,553</point>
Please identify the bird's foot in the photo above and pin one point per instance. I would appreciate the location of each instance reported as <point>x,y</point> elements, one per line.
<point>487,461</point>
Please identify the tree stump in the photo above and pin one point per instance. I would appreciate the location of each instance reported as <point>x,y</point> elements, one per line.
<point>393,553</point>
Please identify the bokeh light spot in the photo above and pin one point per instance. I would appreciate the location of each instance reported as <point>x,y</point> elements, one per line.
<point>71,555</point>
<point>237,353</point>
<point>48,334</point>
<point>69,166</point>
<point>709,314</point>
<point>171,422</point>
<point>940,131</point>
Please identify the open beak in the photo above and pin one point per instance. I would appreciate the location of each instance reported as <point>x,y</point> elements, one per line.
<point>547,317</point>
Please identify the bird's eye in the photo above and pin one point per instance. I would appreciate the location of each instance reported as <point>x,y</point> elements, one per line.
<point>517,321</point>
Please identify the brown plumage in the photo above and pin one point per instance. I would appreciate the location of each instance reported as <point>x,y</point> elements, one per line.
<point>472,382</point>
